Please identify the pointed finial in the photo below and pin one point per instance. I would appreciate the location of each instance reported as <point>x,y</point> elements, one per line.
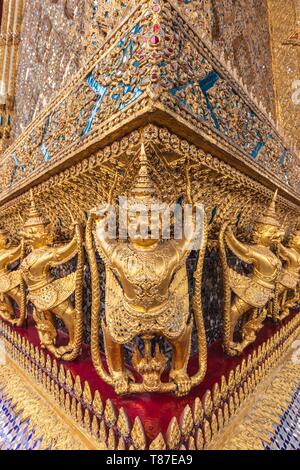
<point>34,216</point>
<point>270,217</point>
<point>144,190</point>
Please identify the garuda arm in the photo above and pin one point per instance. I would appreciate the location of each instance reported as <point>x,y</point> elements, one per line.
<point>14,254</point>
<point>65,253</point>
<point>241,250</point>
<point>284,253</point>
<point>106,246</point>
<point>193,232</point>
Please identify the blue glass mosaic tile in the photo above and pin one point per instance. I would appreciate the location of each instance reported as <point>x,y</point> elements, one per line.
<point>16,433</point>
<point>287,434</point>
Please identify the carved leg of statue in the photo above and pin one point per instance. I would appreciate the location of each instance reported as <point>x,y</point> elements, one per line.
<point>46,329</point>
<point>250,324</point>
<point>283,308</point>
<point>270,308</point>
<point>253,325</point>
<point>238,309</point>
<point>289,303</point>
<point>15,294</point>
<point>181,353</point>
<point>281,301</point>
<point>277,302</point>
<point>6,308</point>
<point>115,362</point>
<point>67,314</point>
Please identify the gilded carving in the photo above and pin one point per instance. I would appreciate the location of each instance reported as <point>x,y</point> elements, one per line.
<point>95,427</point>
<point>49,296</point>
<point>284,27</point>
<point>97,404</point>
<point>186,421</point>
<point>158,443</point>
<point>199,439</point>
<point>198,412</point>
<point>146,296</point>
<point>251,294</point>
<point>138,435</point>
<point>173,434</point>
<point>87,394</point>
<point>149,297</point>
<point>287,287</point>
<point>123,423</point>
<point>12,292</point>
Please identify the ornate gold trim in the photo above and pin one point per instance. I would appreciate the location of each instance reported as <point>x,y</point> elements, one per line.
<point>58,429</point>
<point>217,184</point>
<point>255,422</point>
<point>200,425</point>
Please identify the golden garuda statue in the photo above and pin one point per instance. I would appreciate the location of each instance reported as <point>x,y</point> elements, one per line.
<point>51,297</point>
<point>12,294</point>
<point>146,297</point>
<point>251,293</point>
<point>289,279</point>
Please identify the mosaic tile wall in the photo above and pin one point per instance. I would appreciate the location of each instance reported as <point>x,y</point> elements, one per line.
<point>240,28</point>
<point>287,434</point>
<point>58,36</point>
<point>16,433</point>
<point>286,59</point>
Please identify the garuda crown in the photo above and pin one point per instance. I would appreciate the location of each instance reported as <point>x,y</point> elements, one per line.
<point>34,216</point>
<point>270,216</point>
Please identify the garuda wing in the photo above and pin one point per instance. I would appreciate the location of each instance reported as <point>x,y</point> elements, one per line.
<point>54,293</point>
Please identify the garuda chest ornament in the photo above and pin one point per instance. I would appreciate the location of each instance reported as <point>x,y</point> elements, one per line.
<point>146,298</point>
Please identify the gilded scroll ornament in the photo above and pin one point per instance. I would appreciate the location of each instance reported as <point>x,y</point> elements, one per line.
<point>12,295</point>
<point>51,297</point>
<point>251,293</point>
<point>146,296</point>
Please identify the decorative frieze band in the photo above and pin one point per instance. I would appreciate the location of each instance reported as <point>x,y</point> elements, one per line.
<point>153,67</point>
